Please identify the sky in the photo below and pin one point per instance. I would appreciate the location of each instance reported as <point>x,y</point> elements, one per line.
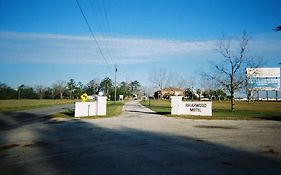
<point>45,41</point>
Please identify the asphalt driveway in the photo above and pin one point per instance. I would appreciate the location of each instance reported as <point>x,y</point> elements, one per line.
<point>137,142</point>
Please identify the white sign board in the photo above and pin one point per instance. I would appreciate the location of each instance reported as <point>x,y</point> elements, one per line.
<point>197,108</point>
<point>263,78</point>
<point>263,72</point>
<point>201,108</point>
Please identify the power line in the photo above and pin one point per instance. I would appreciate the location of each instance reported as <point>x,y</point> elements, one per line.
<point>100,13</point>
<point>92,33</point>
<point>108,27</point>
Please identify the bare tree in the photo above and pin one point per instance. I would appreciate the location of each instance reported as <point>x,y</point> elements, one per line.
<point>93,86</point>
<point>181,82</point>
<point>59,88</point>
<point>231,72</point>
<point>159,78</point>
<point>40,90</point>
<point>251,63</point>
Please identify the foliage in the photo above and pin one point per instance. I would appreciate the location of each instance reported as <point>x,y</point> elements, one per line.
<point>59,88</point>
<point>106,85</point>
<point>211,94</point>
<point>26,92</point>
<point>7,92</point>
<point>49,93</point>
<point>71,87</point>
<point>189,94</point>
<point>198,92</point>
<point>70,90</point>
<point>124,89</point>
<point>93,87</point>
<point>134,87</point>
<point>40,90</point>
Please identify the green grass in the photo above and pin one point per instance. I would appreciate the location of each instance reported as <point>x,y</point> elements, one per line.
<point>221,110</point>
<point>113,109</point>
<point>16,105</point>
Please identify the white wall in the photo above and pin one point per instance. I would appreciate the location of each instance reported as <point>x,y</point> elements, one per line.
<point>98,107</point>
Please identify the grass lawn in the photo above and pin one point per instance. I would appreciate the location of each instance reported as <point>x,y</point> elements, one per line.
<point>113,109</point>
<point>221,110</point>
<point>16,105</point>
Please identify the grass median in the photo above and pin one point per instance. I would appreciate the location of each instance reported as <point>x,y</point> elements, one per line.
<point>16,105</point>
<point>221,110</point>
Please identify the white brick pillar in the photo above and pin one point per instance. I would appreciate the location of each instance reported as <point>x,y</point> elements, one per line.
<point>101,105</point>
<point>176,104</point>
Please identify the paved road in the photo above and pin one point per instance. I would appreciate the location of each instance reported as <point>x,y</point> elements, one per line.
<point>139,142</point>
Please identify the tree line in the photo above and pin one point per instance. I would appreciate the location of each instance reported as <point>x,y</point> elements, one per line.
<point>71,90</point>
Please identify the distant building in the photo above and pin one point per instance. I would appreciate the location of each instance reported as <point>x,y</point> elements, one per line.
<point>166,93</point>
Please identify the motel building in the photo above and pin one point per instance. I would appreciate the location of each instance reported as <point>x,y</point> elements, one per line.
<point>166,93</point>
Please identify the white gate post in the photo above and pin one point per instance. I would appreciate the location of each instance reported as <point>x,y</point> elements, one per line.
<point>176,103</point>
<point>101,105</point>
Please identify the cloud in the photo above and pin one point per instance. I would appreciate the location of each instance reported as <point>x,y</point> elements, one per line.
<point>18,47</point>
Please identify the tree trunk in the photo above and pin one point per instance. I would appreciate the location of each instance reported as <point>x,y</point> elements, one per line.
<point>232,100</point>
<point>249,96</point>
<point>232,89</point>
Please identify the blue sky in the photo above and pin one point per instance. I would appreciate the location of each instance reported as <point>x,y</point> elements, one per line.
<point>45,41</point>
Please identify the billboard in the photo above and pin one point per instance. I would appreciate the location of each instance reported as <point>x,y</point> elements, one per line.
<point>263,78</point>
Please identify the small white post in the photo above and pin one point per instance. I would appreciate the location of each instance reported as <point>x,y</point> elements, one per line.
<point>176,102</point>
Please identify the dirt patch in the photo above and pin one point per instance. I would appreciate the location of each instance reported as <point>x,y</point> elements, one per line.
<point>5,147</point>
<point>215,127</point>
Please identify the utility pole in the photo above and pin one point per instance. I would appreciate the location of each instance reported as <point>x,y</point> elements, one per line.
<point>115,66</point>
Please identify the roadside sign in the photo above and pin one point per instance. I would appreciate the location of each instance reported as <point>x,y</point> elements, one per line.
<point>263,78</point>
<point>84,97</point>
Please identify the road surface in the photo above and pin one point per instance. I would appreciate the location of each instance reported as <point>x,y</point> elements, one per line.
<point>137,142</point>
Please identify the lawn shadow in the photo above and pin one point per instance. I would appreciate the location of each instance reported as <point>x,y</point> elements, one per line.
<point>271,117</point>
<point>246,114</point>
<point>69,112</point>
